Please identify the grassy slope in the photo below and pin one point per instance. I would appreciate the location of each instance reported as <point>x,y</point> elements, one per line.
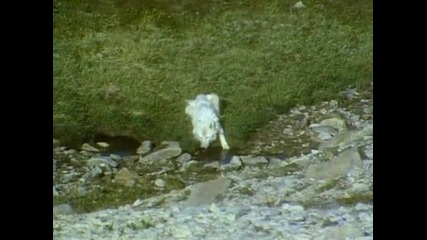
<point>125,67</point>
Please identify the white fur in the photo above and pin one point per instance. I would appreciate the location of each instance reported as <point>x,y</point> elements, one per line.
<point>204,113</point>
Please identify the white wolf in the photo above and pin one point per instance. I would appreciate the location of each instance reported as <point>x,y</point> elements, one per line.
<point>204,113</point>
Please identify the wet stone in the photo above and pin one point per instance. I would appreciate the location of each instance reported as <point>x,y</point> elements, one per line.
<point>207,192</point>
<point>101,160</point>
<point>186,165</point>
<point>336,167</point>
<point>253,160</point>
<point>131,158</point>
<point>87,147</point>
<point>115,157</point>
<point>183,158</point>
<point>235,162</point>
<point>62,209</point>
<point>335,123</point>
<point>125,177</point>
<point>146,147</point>
<point>103,144</point>
<point>161,155</point>
<point>324,136</point>
<point>160,183</point>
<point>276,163</point>
<point>320,128</point>
<point>213,165</point>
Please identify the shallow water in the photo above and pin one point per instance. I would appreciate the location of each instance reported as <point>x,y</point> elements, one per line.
<point>126,146</point>
<point>224,156</point>
<point>216,154</point>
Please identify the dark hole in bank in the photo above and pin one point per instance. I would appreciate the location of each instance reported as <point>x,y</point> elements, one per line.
<point>120,145</point>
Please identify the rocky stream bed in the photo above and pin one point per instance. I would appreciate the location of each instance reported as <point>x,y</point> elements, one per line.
<point>306,175</point>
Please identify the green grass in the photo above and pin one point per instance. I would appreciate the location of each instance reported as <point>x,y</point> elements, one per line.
<point>125,67</point>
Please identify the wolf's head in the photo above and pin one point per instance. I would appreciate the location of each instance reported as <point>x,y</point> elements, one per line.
<point>214,99</point>
<point>205,134</point>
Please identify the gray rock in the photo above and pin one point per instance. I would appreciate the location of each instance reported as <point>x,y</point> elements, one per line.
<point>162,155</point>
<point>160,183</point>
<point>336,167</point>
<point>214,165</point>
<point>362,207</point>
<point>94,171</point>
<point>253,160</point>
<point>296,114</point>
<point>63,209</point>
<point>68,177</point>
<point>351,93</point>
<point>336,123</point>
<point>292,208</point>
<point>185,157</point>
<point>335,140</point>
<point>288,131</point>
<point>304,123</point>
<point>352,155</point>
<point>131,158</point>
<point>323,111</point>
<point>235,162</point>
<point>70,151</point>
<point>115,157</point>
<point>54,164</point>
<point>275,163</point>
<point>355,118</point>
<point>182,232</point>
<point>365,217</point>
<point>324,136</point>
<point>368,109</point>
<point>87,147</point>
<point>87,153</point>
<point>126,177</point>
<point>186,165</point>
<point>103,144</point>
<point>59,149</point>
<point>98,160</point>
<point>320,128</point>
<point>146,147</point>
<point>345,231</point>
<point>207,192</point>
<point>243,225</point>
<point>333,103</point>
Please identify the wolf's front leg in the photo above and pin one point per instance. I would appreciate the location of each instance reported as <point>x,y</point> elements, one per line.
<point>224,143</point>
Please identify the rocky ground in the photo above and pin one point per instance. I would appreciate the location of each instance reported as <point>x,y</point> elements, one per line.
<point>306,175</point>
